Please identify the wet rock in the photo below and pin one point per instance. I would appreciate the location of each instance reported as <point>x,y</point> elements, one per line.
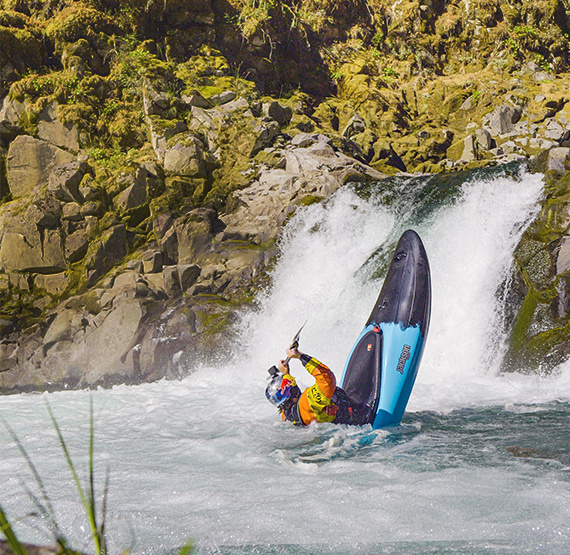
<point>118,332</point>
<point>166,349</point>
<point>313,172</point>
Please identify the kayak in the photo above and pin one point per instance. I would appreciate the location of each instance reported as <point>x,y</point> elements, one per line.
<point>381,368</point>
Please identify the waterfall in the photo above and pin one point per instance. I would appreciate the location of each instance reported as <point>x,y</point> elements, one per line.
<point>207,458</point>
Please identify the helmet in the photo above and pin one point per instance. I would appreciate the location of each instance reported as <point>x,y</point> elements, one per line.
<point>279,389</point>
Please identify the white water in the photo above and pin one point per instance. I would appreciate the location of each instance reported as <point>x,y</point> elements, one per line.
<point>208,459</point>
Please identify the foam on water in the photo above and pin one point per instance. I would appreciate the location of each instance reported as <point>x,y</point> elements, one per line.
<point>207,457</point>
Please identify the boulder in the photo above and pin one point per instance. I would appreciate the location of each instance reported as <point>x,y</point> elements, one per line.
<point>106,253</point>
<point>52,130</point>
<point>169,246</point>
<point>152,262</point>
<point>188,275</point>
<point>166,349</point>
<point>171,281</point>
<point>281,114</point>
<point>237,104</point>
<point>502,119</point>
<point>76,245</point>
<point>105,346</point>
<point>71,211</point>
<point>484,139</point>
<point>302,140</point>
<point>63,327</point>
<point>187,157</point>
<point>195,232</point>
<point>558,159</point>
<point>54,284</point>
<point>64,180</point>
<point>30,162</point>
<point>195,99</point>
<point>265,134</point>
<point>27,246</point>
<point>554,131</point>
<point>223,97</point>
<point>136,194</point>
<point>10,113</point>
<point>154,102</point>
<point>161,131</point>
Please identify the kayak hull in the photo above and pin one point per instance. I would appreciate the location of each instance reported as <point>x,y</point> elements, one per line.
<point>382,367</point>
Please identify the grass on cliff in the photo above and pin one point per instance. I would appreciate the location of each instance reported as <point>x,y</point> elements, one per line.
<point>44,508</point>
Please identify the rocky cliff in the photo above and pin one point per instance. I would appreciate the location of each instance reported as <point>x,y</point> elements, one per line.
<point>151,151</point>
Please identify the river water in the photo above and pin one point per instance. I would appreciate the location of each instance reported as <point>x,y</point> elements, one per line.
<point>480,463</point>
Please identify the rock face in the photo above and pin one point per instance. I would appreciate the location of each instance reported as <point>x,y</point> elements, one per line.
<point>541,291</point>
<point>312,171</point>
<point>148,320</point>
<point>145,181</point>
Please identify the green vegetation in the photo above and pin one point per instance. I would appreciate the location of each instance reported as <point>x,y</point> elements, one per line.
<point>96,517</point>
<point>123,75</point>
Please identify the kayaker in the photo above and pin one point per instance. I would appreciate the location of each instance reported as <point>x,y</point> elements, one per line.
<point>321,402</point>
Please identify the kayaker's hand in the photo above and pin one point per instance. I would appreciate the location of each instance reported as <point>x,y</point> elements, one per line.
<point>293,352</point>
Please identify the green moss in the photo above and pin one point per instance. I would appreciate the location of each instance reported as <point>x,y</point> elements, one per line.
<point>21,48</point>
<point>309,200</point>
<point>78,22</point>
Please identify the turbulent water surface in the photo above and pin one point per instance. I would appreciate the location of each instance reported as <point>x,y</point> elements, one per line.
<point>480,463</point>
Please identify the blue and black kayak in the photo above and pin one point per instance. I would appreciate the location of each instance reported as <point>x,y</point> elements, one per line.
<point>383,364</point>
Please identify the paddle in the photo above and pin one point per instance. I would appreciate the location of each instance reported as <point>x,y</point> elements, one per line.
<point>273,370</point>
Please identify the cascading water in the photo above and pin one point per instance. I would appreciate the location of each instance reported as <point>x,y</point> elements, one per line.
<point>208,458</point>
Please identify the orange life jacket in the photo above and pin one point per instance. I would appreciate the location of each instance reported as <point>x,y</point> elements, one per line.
<point>315,404</point>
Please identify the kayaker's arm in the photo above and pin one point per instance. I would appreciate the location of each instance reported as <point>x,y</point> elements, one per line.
<point>323,374</point>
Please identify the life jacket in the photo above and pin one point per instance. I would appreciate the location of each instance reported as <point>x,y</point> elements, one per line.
<point>323,401</point>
